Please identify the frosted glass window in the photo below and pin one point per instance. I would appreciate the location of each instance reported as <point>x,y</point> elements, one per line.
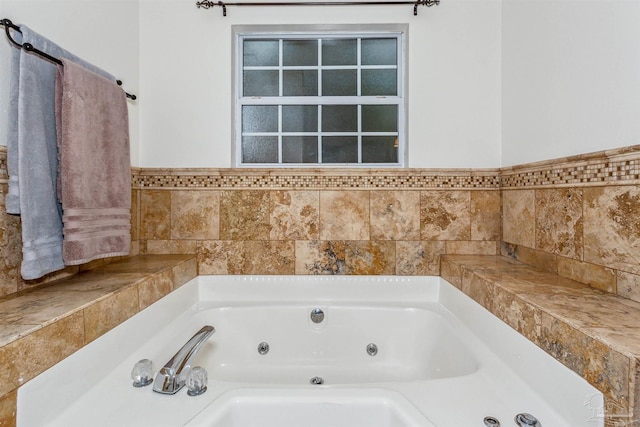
<point>300,118</point>
<point>379,82</point>
<point>260,52</point>
<point>260,149</point>
<point>379,149</point>
<point>300,52</point>
<point>340,149</point>
<point>340,118</point>
<point>340,52</point>
<point>379,52</point>
<point>334,98</point>
<point>379,118</point>
<point>260,118</point>
<point>300,82</point>
<point>340,83</point>
<point>260,83</point>
<point>300,149</point>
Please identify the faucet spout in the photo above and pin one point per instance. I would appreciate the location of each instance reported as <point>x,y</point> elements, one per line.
<point>172,377</point>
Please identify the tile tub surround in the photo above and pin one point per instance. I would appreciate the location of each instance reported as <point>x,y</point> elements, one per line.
<point>332,221</point>
<point>41,326</point>
<point>578,217</point>
<point>594,333</point>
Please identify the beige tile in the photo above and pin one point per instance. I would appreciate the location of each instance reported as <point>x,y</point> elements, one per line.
<point>445,215</point>
<point>184,272</point>
<point>244,215</point>
<point>612,228</point>
<point>593,275</point>
<point>320,257</point>
<point>171,246</point>
<point>370,257</point>
<point>294,215</point>
<point>451,272</point>
<point>155,214</point>
<point>214,256</point>
<point>153,288</point>
<point>246,257</point>
<point>395,215</point>
<point>272,257</point>
<point>462,247</point>
<point>628,285</point>
<point>195,214</point>
<point>32,354</point>
<point>8,409</point>
<point>419,258</point>
<point>518,217</point>
<point>344,215</point>
<point>10,247</point>
<point>486,215</point>
<point>605,369</point>
<point>108,313</point>
<point>559,222</point>
<point>539,259</point>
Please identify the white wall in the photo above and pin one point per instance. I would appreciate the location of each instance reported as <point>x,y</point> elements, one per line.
<point>492,82</point>
<point>571,77</point>
<point>103,32</point>
<point>186,74</point>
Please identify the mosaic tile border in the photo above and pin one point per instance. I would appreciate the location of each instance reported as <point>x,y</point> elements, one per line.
<point>317,181</point>
<point>597,173</point>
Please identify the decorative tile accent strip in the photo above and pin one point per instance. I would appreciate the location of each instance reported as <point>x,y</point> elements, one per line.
<point>272,180</point>
<point>621,167</point>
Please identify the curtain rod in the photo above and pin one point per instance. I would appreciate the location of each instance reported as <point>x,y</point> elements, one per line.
<point>29,48</point>
<point>207,4</point>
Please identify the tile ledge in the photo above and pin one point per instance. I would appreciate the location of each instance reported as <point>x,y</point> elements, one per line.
<point>90,287</point>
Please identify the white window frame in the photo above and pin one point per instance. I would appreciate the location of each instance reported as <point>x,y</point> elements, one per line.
<point>400,31</point>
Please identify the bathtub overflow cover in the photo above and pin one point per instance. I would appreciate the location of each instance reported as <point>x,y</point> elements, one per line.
<point>263,348</point>
<point>317,315</point>
<point>491,422</point>
<point>372,349</point>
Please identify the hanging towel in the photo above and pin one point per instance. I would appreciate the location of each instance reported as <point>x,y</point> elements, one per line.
<point>12,201</point>
<point>32,160</point>
<point>95,165</point>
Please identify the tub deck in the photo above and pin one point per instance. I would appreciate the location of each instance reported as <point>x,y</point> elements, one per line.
<point>594,333</point>
<point>42,326</point>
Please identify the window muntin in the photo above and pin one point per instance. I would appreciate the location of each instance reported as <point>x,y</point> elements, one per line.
<point>320,99</point>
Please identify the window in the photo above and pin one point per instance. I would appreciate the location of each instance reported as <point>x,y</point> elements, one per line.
<point>320,98</point>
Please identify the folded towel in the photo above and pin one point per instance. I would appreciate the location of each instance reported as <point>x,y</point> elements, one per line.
<point>95,165</point>
<point>32,153</point>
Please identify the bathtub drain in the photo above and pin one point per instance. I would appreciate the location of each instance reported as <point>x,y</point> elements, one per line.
<point>316,381</point>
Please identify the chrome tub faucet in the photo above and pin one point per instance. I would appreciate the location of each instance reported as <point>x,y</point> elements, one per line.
<point>172,377</point>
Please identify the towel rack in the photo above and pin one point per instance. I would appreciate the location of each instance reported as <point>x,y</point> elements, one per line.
<point>8,26</point>
<point>207,4</point>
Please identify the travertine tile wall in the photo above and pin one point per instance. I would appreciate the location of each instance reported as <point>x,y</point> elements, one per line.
<point>578,217</point>
<point>318,222</point>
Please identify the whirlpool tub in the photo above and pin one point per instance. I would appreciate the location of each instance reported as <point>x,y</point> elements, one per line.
<point>293,351</point>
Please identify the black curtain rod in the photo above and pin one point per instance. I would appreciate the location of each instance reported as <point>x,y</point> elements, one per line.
<point>207,4</point>
<point>29,48</point>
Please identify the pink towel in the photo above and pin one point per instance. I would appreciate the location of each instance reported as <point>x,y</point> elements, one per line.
<point>95,165</point>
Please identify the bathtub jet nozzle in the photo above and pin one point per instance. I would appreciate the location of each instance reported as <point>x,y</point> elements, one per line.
<point>173,376</point>
<point>317,315</point>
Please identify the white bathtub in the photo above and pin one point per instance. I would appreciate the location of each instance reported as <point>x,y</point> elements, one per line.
<point>442,360</point>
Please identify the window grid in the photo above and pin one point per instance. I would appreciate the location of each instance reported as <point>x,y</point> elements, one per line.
<point>321,101</point>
